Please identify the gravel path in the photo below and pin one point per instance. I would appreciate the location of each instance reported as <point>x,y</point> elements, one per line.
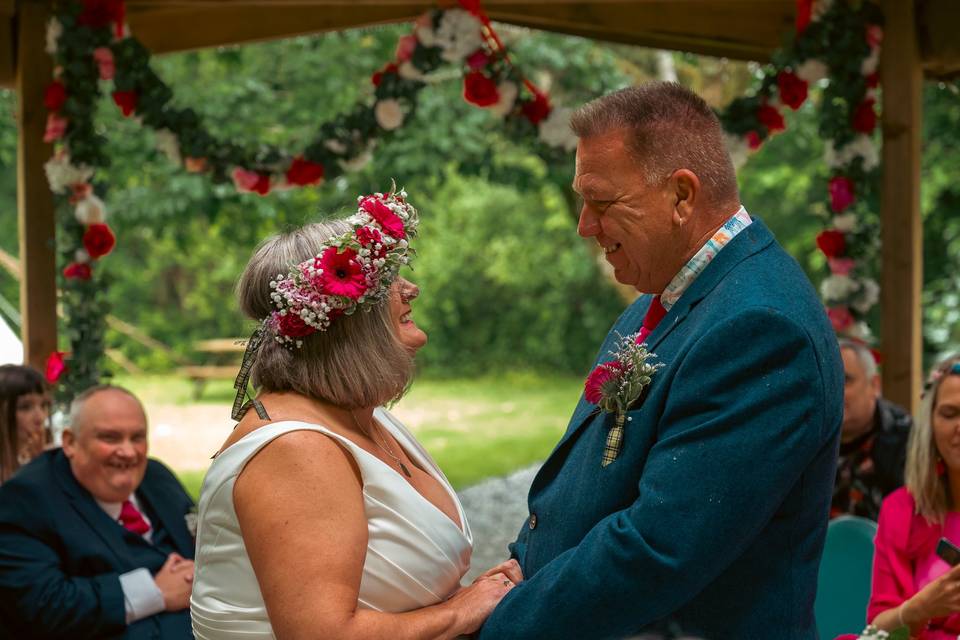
<point>495,508</point>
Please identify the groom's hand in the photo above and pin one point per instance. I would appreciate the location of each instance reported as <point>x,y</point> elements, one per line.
<point>510,568</point>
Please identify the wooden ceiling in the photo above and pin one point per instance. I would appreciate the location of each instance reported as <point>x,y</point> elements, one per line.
<point>740,29</point>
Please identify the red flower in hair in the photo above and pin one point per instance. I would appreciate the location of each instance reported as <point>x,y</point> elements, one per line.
<point>127,101</point>
<point>832,243</point>
<point>793,89</point>
<point>291,324</point>
<point>537,109</point>
<point>387,219</point>
<point>771,118</point>
<point>77,271</point>
<point>54,96</point>
<point>604,373</point>
<point>480,90</point>
<point>369,237</point>
<point>864,117</point>
<point>302,172</point>
<point>842,193</point>
<point>342,274</point>
<point>99,13</point>
<point>56,366</point>
<point>98,240</point>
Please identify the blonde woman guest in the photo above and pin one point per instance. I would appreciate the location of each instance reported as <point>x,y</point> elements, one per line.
<point>322,516</point>
<point>24,417</point>
<point>911,584</point>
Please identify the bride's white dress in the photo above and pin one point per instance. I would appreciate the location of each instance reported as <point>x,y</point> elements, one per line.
<point>416,555</point>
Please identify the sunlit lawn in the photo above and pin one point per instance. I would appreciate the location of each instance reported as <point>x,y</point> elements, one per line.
<point>475,429</point>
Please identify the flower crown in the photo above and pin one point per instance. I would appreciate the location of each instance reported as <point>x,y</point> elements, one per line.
<point>949,367</point>
<point>353,270</point>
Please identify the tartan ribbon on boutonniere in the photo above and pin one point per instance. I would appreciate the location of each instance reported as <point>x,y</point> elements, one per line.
<point>616,384</point>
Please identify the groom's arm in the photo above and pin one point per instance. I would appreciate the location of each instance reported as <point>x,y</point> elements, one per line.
<point>744,417</point>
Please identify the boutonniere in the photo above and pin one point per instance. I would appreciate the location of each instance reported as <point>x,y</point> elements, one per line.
<point>190,520</point>
<point>616,384</point>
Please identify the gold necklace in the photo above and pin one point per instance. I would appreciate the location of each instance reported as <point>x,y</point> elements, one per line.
<point>376,441</point>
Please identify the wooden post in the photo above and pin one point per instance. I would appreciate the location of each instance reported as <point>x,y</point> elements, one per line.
<point>38,286</point>
<point>901,277</point>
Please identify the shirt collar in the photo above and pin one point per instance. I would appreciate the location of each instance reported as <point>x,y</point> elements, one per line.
<point>696,265</point>
<point>113,509</point>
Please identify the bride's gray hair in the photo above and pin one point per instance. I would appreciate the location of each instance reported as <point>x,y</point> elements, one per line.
<point>357,362</point>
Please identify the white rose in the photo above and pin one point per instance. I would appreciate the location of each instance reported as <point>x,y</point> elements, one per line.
<point>336,146</point>
<point>869,64</point>
<point>738,149</point>
<point>90,210</point>
<point>812,70</point>
<point>555,129</point>
<point>837,288</point>
<point>860,331</point>
<point>62,175</point>
<point>409,71</point>
<point>508,97</point>
<point>169,145</point>
<point>869,295</point>
<point>426,35</point>
<point>357,162</point>
<point>54,31</point>
<point>820,7</point>
<point>81,256</point>
<point>863,147</point>
<point>846,222</point>
<point>389,114</point>
<point>458,35</point>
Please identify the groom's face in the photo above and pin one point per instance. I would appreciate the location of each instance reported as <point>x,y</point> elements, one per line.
<point>631,221</point>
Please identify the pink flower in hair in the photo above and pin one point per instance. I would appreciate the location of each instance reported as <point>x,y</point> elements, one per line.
<point>390,222</point>
<point>342,273</point>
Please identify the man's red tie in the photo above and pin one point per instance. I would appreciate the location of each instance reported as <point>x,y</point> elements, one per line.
<point>655,313</point>
<point>132,519</point>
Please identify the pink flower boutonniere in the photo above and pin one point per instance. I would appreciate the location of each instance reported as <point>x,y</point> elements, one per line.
<point>616,384</point>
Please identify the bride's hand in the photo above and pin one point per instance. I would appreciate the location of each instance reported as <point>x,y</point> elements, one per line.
<point>511,568</point>
<point>473,604</point>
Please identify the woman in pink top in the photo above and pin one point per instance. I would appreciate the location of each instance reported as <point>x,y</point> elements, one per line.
<point>911,584</point>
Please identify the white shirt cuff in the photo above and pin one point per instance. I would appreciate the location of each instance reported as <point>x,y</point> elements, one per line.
<point>142,597</point>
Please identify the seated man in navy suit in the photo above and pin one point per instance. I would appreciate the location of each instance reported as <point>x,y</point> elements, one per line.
<point>709,514</point>
<point>94,539</point>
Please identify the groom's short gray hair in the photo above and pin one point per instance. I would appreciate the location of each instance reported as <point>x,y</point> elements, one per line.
<point>669,127</point>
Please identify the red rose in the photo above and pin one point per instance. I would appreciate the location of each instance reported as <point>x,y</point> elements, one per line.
<point>292,325</point>
<point>873,80</point>
<point>55,366</point>
<point>804,14</point>
<point>840,318</point>
<point>864,117</point>
<point>753,140</point>
<point>377,77</point>
<point>793,89</point>
<point>98,240</point>
<point>77,271</point>
<point>536,109</point>
<point>770,118</point>
<point>302,172</point>
<point>252,181</point>
<point>99,13</point>
<point>842,193</point>
<point>127,101</point>
<point>832,242</point>
<point>54,96</point>
<point>480,90</point>
<point>478,60</point>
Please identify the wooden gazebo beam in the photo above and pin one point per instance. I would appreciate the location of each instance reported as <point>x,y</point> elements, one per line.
<point>901,277</point>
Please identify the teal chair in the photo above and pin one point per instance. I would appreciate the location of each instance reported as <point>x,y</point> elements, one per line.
<point>843,586</point>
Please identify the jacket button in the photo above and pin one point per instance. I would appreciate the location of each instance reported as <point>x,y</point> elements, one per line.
<point>533,521</point>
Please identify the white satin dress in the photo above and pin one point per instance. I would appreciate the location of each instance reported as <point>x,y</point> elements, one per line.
<point>416,555</point>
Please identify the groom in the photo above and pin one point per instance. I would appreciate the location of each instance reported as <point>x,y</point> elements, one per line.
<point>711,517</point>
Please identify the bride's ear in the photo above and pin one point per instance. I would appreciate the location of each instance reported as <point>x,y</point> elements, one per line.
<point>685,189</point>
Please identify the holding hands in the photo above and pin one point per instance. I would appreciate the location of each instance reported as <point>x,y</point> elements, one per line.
<point>175,581</point>
<point>474,603</point>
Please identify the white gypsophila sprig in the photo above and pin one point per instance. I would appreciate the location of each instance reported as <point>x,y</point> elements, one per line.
<point>636,371</point>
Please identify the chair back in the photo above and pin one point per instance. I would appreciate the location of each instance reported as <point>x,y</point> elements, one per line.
<point>843,585</point>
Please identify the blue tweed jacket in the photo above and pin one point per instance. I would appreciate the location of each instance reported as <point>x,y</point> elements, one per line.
<point>712,519</point>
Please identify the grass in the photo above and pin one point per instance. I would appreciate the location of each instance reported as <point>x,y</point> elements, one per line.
<point>474,429</point>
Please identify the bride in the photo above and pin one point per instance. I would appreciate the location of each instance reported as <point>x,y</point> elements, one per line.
<point>322,516</point>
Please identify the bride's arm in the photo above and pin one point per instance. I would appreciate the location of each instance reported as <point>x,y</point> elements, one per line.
<point>300,507</point>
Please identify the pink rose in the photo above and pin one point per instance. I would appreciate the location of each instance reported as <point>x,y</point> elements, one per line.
<point>842,193</point>
<point>840,318</point>
<point>56,366</point>
<point>106,66</point>
<point>405,47</point>
<point>841,266</point>
<point>56,127</point>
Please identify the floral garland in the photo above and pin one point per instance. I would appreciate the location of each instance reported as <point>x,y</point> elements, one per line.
<point>94,51</point>
<point>838,41</point>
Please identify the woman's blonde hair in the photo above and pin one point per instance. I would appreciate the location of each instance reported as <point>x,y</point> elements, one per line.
<point>930,490</point>
<point>357,362</point>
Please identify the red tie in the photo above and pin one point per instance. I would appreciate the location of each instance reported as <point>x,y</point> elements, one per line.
<point>655,314</point>
<point>132,519</point>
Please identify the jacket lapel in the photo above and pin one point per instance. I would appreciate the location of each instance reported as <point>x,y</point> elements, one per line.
<point>168,515</point>
<point>95,517</point>
<point>746,243</point>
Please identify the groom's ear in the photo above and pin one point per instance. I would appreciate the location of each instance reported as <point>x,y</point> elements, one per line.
<point>685,188</point>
